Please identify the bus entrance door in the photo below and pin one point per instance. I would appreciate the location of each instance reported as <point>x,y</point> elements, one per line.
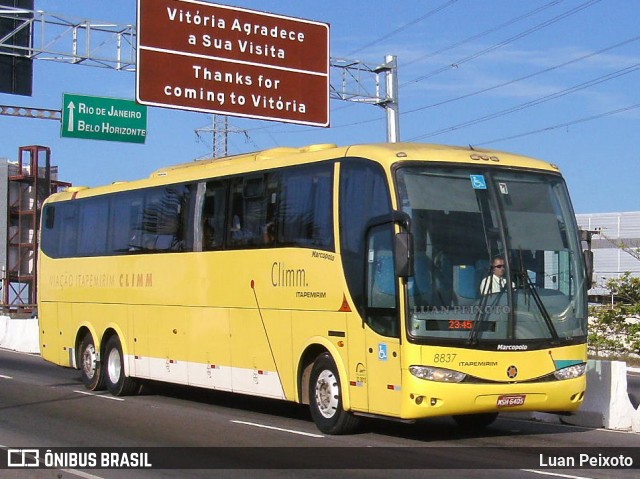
<point>383,324</point>
<point>383,374</point>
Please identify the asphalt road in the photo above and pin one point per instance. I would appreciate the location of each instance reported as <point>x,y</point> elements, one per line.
<point>45,406</point>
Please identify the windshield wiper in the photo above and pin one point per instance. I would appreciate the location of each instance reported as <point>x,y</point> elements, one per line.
<point>480,316</point>
<point>528,286</point>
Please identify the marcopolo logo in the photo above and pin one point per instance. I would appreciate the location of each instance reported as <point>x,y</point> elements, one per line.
<point>512,347</point>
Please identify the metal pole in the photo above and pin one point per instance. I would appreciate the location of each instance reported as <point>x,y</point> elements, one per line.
<point>392,107</point>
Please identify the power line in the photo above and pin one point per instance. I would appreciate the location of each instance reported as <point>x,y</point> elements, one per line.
<point>406,25</point>
<point>525,77</point>
<point>531,103</point>
<point>483,33</point>
<point>500,85</point>
<point>514,20</point>
<point>468,39</point>
<point>563,125</point>
<point>509,40</point>
<point>397,30</point>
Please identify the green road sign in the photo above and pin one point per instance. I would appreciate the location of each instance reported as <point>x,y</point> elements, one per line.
<point>97,118</point>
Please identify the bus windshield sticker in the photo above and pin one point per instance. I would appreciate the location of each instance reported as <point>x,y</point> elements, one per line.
<point>503,188</point>
<point>478,182</point>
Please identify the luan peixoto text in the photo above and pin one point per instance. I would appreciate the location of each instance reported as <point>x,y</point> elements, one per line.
<point>585,460</point>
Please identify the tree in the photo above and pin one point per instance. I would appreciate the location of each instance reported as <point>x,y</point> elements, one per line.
<point>614,331</point>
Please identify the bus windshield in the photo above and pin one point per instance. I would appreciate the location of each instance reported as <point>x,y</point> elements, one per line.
<point>498,263</point>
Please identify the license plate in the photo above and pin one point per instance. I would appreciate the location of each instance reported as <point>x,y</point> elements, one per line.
<point>511,400</point>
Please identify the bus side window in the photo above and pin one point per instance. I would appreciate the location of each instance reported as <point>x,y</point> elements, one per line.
<point>69,231</point>
<point>162,226</point>
<point>238,234</point>
<point>247,211</point>
<point>50,241</point>
<point>49,216</point>
<point>382,296</point>
<point>92,231</point>
<point>121,223</point>
<point>305,212</point>
<point>213,215</point>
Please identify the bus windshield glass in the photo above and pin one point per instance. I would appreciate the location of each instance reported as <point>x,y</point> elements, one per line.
<point>497,258</point>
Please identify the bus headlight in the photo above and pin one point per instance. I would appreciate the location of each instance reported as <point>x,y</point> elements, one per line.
<point>571,372</point>
<point>441,375</point>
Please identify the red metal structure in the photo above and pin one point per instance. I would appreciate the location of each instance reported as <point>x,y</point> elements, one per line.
<point>29,184</point>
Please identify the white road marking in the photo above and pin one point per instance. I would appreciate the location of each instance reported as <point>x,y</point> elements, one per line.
<point>570,426</point>
<point>5,377</point>
<point>291,431</point>
<point>99,395</point>
<point>86,475</point>
<point>554,474</point>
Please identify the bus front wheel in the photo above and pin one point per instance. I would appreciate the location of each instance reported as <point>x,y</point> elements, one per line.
<point>325,398</point>
<point>475,421</point>
<point>118,383</point>
<point>91,369</point>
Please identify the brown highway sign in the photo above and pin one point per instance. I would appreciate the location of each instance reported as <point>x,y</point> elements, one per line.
<point>218,59</point>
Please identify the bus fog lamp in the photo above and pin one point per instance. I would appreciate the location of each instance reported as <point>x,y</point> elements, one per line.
<point>571,372</point>
<point>437,374</point>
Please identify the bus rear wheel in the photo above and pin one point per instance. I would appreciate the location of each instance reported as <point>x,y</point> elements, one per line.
<point>325,399</point>
<point>91,369</point>
<point>117,382</point>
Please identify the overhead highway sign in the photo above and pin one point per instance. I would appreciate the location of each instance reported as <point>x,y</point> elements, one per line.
<point>219,59</point>
<point>99,118</point>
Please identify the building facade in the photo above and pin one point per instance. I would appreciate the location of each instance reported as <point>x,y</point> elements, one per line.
<point>615,244</point>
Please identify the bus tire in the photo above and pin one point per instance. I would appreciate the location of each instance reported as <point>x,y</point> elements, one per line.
<point>117,382</point>
<point>475,421</point>
<point>325,399</point>
<point>91,368</point>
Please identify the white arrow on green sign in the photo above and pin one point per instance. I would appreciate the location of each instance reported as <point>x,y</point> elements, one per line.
<point>99,118</point>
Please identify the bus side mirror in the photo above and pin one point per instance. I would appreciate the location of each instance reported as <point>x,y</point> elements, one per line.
<point>403,249</point>
<point>588,261</point>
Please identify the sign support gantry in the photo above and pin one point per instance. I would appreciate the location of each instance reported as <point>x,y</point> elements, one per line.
<point>111,45</point>
<point>71,40</point>
<point>360,82</point>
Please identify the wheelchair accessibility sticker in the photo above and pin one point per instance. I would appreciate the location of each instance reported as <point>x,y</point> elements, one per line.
<point>478,182</point>
<point>382,352</point>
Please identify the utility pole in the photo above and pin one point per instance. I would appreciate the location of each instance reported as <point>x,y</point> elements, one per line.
<point>219,131</point>
<point>377,85</point>
<point>391,105</point>
<point>358,83</point>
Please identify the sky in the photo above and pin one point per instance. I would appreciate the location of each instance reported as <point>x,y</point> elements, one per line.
<point>557,80</point>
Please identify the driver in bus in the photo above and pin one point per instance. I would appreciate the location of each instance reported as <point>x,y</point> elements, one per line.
<point>495,282</point>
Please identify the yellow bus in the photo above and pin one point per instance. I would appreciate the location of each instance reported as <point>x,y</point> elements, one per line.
<point>353,279</point>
